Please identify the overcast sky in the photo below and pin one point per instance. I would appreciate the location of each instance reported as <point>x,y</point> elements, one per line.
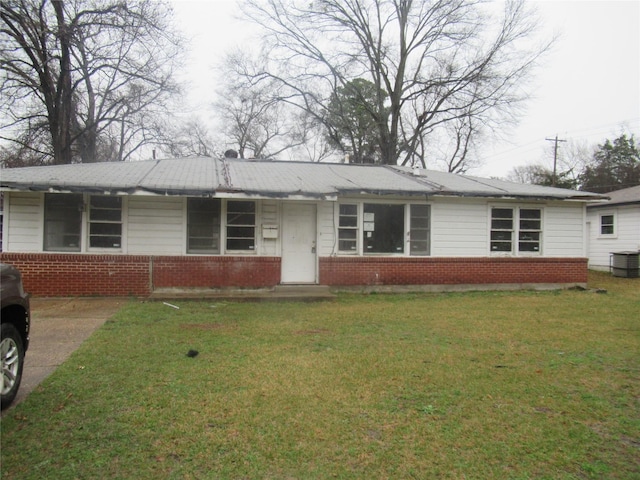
<point>588,89</point>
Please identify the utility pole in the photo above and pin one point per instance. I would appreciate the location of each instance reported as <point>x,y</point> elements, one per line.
<point>555,158</point>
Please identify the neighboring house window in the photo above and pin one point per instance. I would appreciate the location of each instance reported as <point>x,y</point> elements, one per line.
<point>348,228</point>
<point>507,224</point>
<point>241,225</point>
<point>383,228</point>
<point>105,222</point>
<point>607,226</point>
<point>419,229</point>
<point>203,225</point>
<point>62,222</point>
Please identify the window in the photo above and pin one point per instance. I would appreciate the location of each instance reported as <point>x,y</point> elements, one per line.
<point>241,225</point>
<point>383,228</point>
<point>105,222</point>
<point>62,222</point>
<point>348,228</point>
<point>203,225</point>
<point>527,228</point>
<point>607,225</point>
<point>530,229</point>
<point>501,229</point>
<point>419,229</point>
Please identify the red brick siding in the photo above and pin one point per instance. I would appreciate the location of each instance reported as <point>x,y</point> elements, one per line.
<point>124,275</point>
<point>118,275</point>
<point>80,275</point>
<point>351,271</point>
<point>216,272</point>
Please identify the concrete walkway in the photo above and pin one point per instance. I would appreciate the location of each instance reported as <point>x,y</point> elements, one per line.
<point>58,327</point>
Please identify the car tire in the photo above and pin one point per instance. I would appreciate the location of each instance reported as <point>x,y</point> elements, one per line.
<point>12,356</point>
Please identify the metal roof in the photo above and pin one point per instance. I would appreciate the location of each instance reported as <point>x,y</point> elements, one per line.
<point>280,179</point>
<point>626,196</point>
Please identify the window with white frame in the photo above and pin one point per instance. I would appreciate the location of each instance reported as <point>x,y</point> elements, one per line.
<point>509,224</point>
<point>63,222</point>
<point>203,225</point>
<point>530,230</point>
<point>383,228</point>
<point>105,222</point>
<point>241,225</point>
<point>419,233</point>
<point>502,227</point>
<point>607,224</point>
<point>380,228</point>
<point>348,228</point>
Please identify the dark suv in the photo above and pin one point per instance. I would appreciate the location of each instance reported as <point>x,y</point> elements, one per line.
<point>14,331</point>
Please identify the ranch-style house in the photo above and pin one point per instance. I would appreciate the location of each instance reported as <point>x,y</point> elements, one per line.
<point>135,228</point>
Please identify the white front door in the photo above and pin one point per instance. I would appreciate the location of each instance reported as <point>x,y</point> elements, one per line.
<point>298,243</point>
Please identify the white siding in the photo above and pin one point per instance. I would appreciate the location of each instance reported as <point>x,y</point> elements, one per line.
<point>626,237</point>
<point>327,223</point>
<point>269,215</point>
<point>459,228</point>
<point>156,225</point>
<point>563,231</point>
<point>24,222</point>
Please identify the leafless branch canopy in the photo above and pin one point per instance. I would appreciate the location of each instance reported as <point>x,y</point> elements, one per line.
<point>434,63</point>
<point>253,117</point>
<point>94,74</point>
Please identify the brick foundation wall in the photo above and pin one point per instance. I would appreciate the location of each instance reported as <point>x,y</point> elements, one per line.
<point>137,275</point>
<point>353,271</point>
<point>124,275</point>
<point>216,272</point>
<point>53,275</point>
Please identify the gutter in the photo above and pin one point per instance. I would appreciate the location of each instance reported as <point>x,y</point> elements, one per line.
<point>230,192</point>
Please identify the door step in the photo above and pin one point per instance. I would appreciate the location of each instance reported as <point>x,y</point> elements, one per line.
<point>302,290</point>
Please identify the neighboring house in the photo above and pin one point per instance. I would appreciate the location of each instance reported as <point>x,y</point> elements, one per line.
<point>614,226</point>
<point>133,228</point>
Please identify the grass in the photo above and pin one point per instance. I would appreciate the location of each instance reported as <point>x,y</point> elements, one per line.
<point>516,385</point>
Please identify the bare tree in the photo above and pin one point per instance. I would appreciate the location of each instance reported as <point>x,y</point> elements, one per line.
<point>255,119</point>
<point>93,73</point>
<point>190,138</point>
<point>432,62</point>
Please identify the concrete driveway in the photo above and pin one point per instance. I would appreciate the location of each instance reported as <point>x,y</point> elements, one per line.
<point>58,327</point>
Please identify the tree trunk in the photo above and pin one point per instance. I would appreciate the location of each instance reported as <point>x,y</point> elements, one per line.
<point>61,136</point>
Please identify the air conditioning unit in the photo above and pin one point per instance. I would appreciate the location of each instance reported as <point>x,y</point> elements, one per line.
<point>625,264</point>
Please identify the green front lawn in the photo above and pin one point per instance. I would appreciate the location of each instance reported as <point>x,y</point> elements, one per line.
<point>470,385</point>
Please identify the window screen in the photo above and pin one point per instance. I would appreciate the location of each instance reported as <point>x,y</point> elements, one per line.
<point>62,222</point>
<point>383,228</point>
<point>606,225</point>
<point>241,225</point>
<point>203,225</point>
<point>348,228</point>
<point>419,233</point>
<point>501,229</point>
<point>530,230</point>
<point>105,222</point>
